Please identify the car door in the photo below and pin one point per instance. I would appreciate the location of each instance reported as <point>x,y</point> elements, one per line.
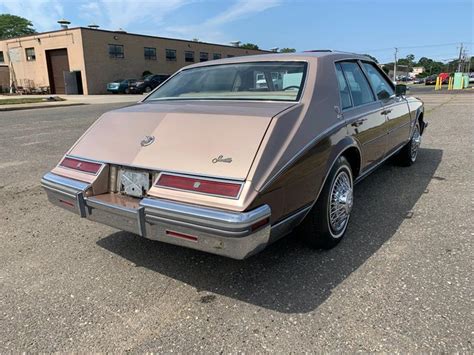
<point>362,112</point>
<point>396,107</point>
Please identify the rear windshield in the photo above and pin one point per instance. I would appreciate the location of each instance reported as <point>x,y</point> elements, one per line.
<point>274,81</point>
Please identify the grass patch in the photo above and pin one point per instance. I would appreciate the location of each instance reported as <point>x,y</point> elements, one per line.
<point>27,100</point>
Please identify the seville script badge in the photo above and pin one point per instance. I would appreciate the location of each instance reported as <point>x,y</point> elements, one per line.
<point>221,159</point>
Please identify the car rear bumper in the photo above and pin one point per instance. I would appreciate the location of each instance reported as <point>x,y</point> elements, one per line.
<point>232,234</point>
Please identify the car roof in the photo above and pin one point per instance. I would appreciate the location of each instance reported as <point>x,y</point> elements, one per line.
<point>302,56</point>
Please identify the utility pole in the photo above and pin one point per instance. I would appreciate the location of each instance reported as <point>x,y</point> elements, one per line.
<point>459,60</point>
<point>395,66</point>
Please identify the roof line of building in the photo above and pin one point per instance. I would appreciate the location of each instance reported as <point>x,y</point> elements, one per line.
<point>130,34</point>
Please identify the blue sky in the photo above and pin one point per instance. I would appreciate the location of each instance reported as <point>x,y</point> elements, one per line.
<point>430,28</point>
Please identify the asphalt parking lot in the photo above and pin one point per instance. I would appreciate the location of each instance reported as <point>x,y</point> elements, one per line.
<point>400,281</point>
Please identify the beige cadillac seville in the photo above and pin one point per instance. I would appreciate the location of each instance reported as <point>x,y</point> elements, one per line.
<point>228,156</point>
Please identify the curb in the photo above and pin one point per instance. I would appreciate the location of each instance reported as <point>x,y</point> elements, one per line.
<point>13,108</point>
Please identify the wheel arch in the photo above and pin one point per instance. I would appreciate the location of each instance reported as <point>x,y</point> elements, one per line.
<point>349,149</point>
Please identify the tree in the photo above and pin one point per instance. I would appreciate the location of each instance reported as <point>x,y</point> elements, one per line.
<point>14,26</point>
<point>287,50</point>
<point>249,46</point>
<point>372,57</point>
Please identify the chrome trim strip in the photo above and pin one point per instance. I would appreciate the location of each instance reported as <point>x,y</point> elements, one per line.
<point>154,220</point>
<point>56,182</point>
<point>241,183</point>
<point>115,209</point>
<point>204,216</point>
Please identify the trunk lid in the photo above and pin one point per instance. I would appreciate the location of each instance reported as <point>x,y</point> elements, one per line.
<point>217,139</point>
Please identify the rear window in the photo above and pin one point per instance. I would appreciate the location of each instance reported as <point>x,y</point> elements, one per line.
<point>274,81</point>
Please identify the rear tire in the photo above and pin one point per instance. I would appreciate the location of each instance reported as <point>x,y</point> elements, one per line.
<point>409,152</point>
<point>147,89</point>
<point>326,223</point>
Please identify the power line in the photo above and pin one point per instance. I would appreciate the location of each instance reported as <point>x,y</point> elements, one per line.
<point>421,46</point>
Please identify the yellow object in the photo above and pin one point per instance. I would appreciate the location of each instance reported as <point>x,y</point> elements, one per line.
<point>438,83</point>
<point>450,83</point>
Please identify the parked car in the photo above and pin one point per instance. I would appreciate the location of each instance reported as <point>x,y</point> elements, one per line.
<point>471,78</point>
<point>431,80</point>
<point>148,83</point>
<point>120,86</point>
<point>419,81</point>
<point>277,80</point>
<point>209,162</point>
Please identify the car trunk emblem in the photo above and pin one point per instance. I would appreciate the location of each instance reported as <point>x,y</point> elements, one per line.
<point>147,141</point>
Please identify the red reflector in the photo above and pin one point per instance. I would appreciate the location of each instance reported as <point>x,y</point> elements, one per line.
<point>81,165</point>
<point>67,203</point>
<point>259,224</point>
<point>220,188</point>
<point>181,235</point>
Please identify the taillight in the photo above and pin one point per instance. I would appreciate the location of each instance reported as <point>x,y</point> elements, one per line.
<point>205,186</point>
<point>81,165</point>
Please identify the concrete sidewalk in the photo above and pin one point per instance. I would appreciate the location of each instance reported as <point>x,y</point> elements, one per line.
<point>70,100</point>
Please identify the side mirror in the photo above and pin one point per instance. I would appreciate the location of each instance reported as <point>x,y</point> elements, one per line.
<point>400,89</point>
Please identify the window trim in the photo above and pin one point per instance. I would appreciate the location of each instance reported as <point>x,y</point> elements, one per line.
<point>361,62</point>
<point>357,61</point>
<point>347,84</point>
<point>175,55</point>
<point>34,54</point>
<point>149,57</point>
<point>115,54</point>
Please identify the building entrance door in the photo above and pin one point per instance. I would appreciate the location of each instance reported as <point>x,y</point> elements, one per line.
<point>58,63</point>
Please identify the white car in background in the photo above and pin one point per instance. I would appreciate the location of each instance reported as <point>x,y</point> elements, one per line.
<point>261,82</point>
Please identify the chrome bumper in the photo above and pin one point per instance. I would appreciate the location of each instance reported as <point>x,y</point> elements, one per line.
<point>212,230</point>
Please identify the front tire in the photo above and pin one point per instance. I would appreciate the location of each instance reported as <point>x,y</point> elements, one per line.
<point>326,223</point>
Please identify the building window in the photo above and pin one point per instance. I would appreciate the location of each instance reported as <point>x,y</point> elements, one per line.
<point>171,54</point>
<point>230,56</point>
<point>216,56</point>
<point>203,56</point>
<point>150,53</point>
<point>30,54</point>
<point>189,56</point>
<point>116,51</point>
<point>2,58</point>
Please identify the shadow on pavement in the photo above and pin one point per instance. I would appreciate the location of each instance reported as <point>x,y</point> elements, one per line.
<point>289,277</point>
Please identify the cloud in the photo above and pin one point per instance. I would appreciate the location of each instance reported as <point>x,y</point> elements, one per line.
<point>242,9</point>
<point>145,16</point>
<point>43,13</point>
<point>211,29</point>
<point>125,13</point>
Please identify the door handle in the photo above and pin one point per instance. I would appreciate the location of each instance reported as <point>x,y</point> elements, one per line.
<point>386,112</point>
<point>358,122</point>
